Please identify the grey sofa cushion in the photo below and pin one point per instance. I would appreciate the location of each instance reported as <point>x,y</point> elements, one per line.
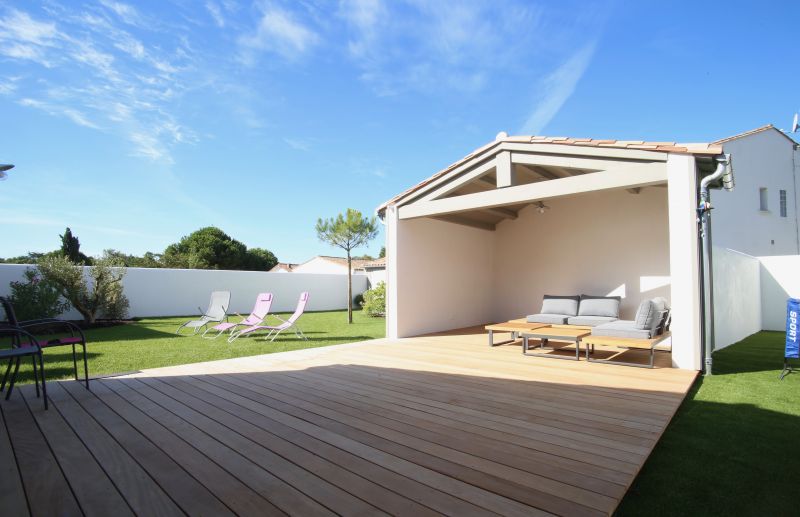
<point>651,314</point>
<point>567,305</point>
<point>590,321</point>
<point>599,306</point>
<point>553,319</point>
<point>645,315</point>
<point>622,328</point>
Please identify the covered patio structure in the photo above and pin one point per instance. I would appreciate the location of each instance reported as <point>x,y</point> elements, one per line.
<point>484,239</point>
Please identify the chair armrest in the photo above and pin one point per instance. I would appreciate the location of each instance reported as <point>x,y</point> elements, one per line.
<point>21,332</point>
<point>33,324</point>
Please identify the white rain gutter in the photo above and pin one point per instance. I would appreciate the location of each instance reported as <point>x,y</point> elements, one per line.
<point>724,172</point>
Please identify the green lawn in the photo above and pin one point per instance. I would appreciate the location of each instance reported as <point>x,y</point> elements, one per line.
<point>151,343</point>
<point>734,446</point>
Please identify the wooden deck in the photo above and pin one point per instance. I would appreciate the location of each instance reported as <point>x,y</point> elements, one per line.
<point>432,425</point>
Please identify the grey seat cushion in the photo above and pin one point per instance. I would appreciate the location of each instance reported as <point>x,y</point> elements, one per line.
<point>590,321</point>
<point>622,328</point>
<point>553,319</point>
<point>599,306</point>
<point>567,305</point>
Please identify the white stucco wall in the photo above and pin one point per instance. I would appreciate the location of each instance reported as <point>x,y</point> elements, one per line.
<point>779,281</point>
<point>606,243</point>
<point>445,276</point>
<point>737,296</point>
<point>178,292</point>
<point>767,160</point>
<point>375,276</point>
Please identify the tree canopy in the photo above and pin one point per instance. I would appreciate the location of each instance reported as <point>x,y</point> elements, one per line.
<point>211,248</point>
<point>71,248</point>
<point>206,248</point>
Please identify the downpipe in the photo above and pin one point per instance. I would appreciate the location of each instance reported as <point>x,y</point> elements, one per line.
<point>707,274</point>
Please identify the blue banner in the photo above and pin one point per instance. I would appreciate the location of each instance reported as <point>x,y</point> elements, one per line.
<point>792,322</point>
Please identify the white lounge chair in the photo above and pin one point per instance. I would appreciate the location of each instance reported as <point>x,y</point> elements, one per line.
<point>217,309</point>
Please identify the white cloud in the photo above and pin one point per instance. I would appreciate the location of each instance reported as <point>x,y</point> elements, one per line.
<point>279,33</point>
<point>556,88</point>
<point>298,145</point>
<point>365,16</point>
<point>70,113</point>
<point>432,46</point>
<point>20,26</point>
<point>127,13</point>
<point>216,13</point>
<point>124,86</point>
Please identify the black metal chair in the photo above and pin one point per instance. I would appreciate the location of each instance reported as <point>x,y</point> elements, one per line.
<point>48,326</point>
<point>18,350</point>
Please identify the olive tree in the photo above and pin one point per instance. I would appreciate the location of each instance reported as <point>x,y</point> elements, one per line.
<point>102,295</point>
<point>348,231</point>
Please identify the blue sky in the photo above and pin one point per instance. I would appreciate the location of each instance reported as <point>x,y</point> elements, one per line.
<point>137,123</point>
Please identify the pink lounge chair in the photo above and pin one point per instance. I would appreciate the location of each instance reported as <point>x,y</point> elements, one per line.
<point>256,317</point>
<point>291,323</point>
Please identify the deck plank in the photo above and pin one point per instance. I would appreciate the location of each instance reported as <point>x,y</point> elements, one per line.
<point>232,492</point>
<point>439,424</point>
<point>140,491</point>
<point>12,493</point>
<point>249,440</point>
<point>271,488</point>
<point>46,487</point>
<point>95,493</point>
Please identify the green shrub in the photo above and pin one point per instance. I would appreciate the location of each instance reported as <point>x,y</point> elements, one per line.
<point>375,301</point>
<point>36,297</point>
<point>102,296</point>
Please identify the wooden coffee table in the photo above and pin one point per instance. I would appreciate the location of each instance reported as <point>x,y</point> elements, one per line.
<point>545,334</point>
<point>516,327</point>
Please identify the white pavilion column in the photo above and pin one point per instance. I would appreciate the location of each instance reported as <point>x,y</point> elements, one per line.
<point>392,222</point>
<point>684,262</point>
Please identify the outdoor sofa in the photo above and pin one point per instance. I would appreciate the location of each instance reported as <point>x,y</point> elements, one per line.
<point>649,328</point>
<point>584,310</point>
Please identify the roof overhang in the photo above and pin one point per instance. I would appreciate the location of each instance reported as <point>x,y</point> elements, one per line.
<point>496,181</point>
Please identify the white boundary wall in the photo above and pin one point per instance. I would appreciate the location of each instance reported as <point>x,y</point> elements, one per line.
<point>750,293</point>
<point>779,281</point>
<point>737,296</point>
<point>179,292</point>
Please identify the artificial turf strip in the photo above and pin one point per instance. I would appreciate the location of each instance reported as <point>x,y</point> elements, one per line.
<point>733,448</point>
<point>152,343</point>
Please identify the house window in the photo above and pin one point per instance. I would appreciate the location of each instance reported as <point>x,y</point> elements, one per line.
<point>762,199</point>
<point>783,203</point>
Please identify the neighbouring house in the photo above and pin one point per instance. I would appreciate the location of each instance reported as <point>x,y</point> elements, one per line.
<point>283,267</point>
<point>375,271</point>
<point>484,239</point>
<point>760,216</point>
<point>329,265</point>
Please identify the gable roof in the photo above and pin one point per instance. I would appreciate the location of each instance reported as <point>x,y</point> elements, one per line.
<point>702,149</point>
<point>753,132</point>
<point>377,263</point>
<point>283,266</point>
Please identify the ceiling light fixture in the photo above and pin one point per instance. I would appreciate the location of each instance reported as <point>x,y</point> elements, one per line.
<point>541,207</point>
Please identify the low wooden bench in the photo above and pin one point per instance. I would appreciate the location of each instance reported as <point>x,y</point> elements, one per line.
<point>623,342</point>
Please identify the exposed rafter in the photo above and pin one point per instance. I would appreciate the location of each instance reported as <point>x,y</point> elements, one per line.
<point>620,177</point>
<point>463,221</point>
<point>505,213</point>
